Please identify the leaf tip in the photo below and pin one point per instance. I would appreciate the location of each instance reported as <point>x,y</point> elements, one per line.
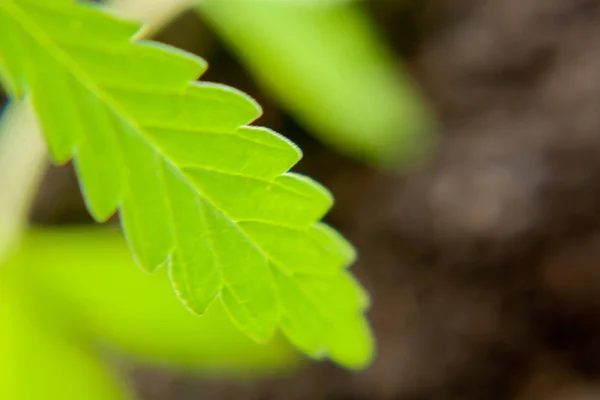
<point>238,99</point>
<point>193,304</point>
<point>338,242</point>
<point>361,352</point>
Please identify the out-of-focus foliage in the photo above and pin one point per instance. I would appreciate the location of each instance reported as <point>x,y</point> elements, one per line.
<point>38,363</point>
<point>86,276</point>
<point>22,164</point>
<point>327,64</point>
<point>68,294</point>
<point>198,190</point>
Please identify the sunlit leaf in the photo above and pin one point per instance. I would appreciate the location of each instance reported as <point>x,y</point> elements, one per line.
<point>198,190</point>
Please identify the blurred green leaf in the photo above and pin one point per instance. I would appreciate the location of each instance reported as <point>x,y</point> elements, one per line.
<point>327,64</point>
<point>37,363</point>
<point>86,276</point>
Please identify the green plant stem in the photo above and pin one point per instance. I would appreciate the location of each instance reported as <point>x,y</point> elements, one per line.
<point>23,154</point>
<point>23,158</point>
<point>155,14</point>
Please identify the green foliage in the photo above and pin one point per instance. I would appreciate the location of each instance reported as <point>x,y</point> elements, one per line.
<point>198,190</point>
<point>327,64</point>
<point>59,307</point>
<point>36,363</point>
<point>88,294</point>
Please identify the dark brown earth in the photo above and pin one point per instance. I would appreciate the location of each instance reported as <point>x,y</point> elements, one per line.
<point>483,264</point>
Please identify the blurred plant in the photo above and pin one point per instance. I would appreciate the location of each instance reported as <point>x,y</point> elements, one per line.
<point>326,63</point>
<point>54,308</point>
<point>56,315</point>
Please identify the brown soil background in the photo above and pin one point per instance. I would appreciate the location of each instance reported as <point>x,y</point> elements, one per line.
<point>483,263</point>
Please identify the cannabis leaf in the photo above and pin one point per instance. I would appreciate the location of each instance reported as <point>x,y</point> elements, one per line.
<point>197,188</point>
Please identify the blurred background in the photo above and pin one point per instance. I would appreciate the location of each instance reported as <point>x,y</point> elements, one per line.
<point>461,139</point>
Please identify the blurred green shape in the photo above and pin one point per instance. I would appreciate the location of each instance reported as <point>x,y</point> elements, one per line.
<point>326,63</point>
<point>86,278</point>
<point>36,363</point>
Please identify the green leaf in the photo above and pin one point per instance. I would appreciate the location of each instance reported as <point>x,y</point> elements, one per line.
<point>327,64</point>
<point>37,363</point>
<point>197,189</point>
<point>88,294</point>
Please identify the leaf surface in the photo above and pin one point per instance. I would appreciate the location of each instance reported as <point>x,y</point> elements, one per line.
<point>197,188</point>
